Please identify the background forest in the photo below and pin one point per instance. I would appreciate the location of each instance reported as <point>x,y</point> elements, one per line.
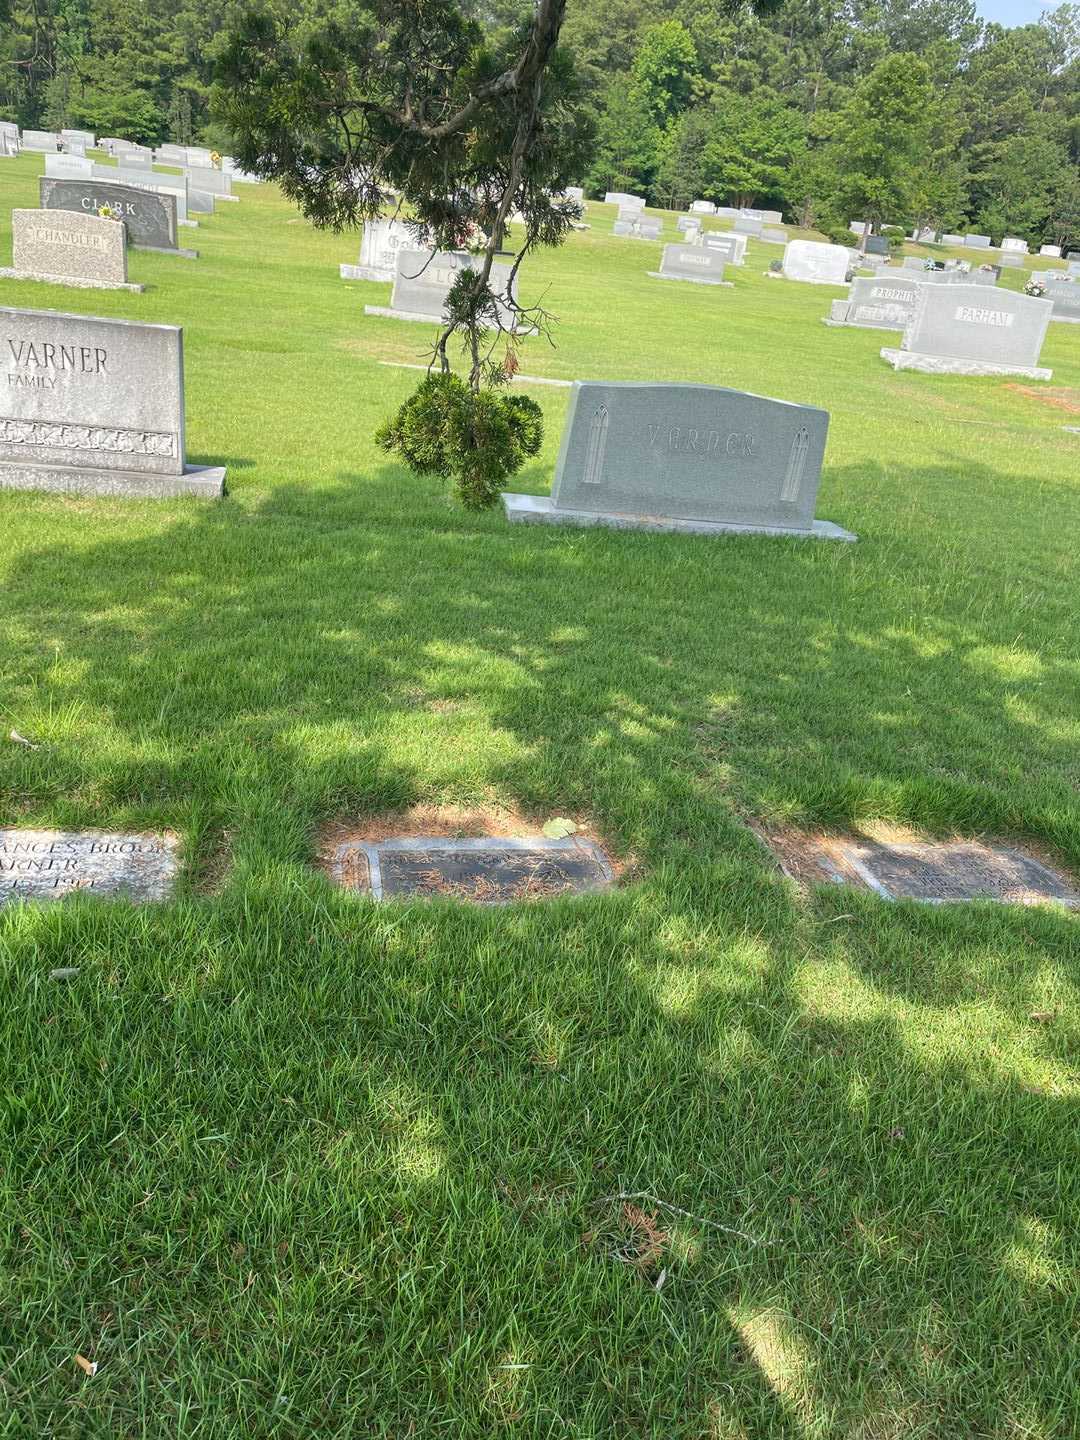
<point>910,111</point>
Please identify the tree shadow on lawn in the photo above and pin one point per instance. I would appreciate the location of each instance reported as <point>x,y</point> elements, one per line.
<point>363,648</point>
<point>372,1172</point>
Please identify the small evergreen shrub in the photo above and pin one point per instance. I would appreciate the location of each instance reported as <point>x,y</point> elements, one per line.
<point>478,441</point>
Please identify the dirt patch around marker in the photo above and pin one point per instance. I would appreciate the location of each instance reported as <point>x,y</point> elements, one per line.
<point>902,863</point>
<point>1058,397</point>
<point>454,822</point>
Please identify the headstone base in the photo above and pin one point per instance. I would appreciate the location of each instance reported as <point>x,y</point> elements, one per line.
<point>539,510</point>
<point>838,320</point>
<point>366,272</point>
<point>165,250</point>
<point>1065,319</point>
<point>10,274</point>
<point>949,365</point>
<point>387,312</point>
<point>690,279</point>
<point>203,481</point>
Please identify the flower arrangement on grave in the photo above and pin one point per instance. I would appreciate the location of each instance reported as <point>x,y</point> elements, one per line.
<point>1035,287</point>
<point>928,263</point>
<point>215,159</point>
<point>108,212</point>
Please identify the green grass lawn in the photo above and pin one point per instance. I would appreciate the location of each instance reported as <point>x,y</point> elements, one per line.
<point>289,1164</point>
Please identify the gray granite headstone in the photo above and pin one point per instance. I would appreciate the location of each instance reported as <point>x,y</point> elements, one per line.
<point>84,137</point>
<point>422,281</point>
<point>1052,251</point>
<point>703,207</point>
<point>692,457</point>
<point>51,864</point>
<point>688,224</point>
<point>857,227</point>
<point>767,217</point>
<point>68,248</point>
<point>747,225</point>
<point>961,330</point>
<point>731,248</point>
<point>48,140</point>
<point>137,160</point>
<point>149,215</point>
<point>773,237</point>
<point>67,166</point>
<point>691,262</point>
<point>952,239</point>
<point>727,212</point>
<point>94,406</point>
<point>1065,300</point>
<point>209,180</point>
<point>1011,242</point>
<point>486,871</point>
<point>649,229</point>
<point>876,245</point>
<point>624,227</point>
<point>883,302</point>
<point>977,242</point>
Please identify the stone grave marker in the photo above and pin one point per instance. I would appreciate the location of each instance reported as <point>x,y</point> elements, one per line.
<point>48,140</point>
<point>379,245</point>
<point>1053,251</point>
<point>727,212</point>
<point>68,166</point>
<point>977,242</point>
<point>927,235</point>
<point>1065,300</point>
<point>876,245</point>
<point>94,406</point>
<point>698,458</point>
<point>877,303</point>
<point>64,247</point>
<point>422,281</point>
<point>210,181</point>
<point>50,864</point>
<point>747,225</point>
<point>960,330</point>
<point>767,217</point>
<point>703,207</point>
<point>694,263</point>
<point>732,248</point>
<point>85,138</point>
<point>688,224</point>
<point>624,201</point>
<point>935,873</point>
<point>1011,242</point>
<point>485,871</point>
<point>149,215</point>
<point>624,227</point>
<point>773,237</point>
<point>575,192</point>
<point>816,263</point>
<point>1010,259</point>
<point>952,239</point>
<point>857,227</point>
<point>137,160</point>
<point>650,229</point>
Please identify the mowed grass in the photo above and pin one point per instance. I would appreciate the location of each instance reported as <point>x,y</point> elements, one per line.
<point>286,1163</point>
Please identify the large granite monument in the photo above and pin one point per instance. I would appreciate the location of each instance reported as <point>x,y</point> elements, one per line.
<point>148,215</point>
<point>175,185</point>
<point>961,330</point>
<point>63,247</point>
<point>731,248</point>
<point>684,457</point>
<point>816,263</point>
<point>95,406</point>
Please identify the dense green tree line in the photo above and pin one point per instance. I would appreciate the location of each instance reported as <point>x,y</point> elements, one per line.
<point>911,111</point>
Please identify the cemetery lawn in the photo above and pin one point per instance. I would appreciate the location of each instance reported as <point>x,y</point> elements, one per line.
<point>286,1163</point>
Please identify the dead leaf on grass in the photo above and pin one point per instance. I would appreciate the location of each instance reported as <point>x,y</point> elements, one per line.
<point>22,740</point>
<point>88,1367</point>
<point>1042,1017</point>
<point>559,828</point>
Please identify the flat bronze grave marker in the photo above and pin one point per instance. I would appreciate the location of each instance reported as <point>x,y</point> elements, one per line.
<point>486,871</point>
<point>939,873</point>
<point>49,864</point>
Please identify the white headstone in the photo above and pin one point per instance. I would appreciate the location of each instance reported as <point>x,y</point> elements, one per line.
<point>816,263</point>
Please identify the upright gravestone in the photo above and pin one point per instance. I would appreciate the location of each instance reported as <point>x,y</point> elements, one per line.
<point>977,242</point>
<point>50,141</point>
<point>650,229</point>
<point>422,281</point>
<point>952,239</point>
<point>816,263</point>
<point>960,330</point>
<point>773,237</point>
<point>1011,242</point>
<point>767,217</point>
<point>1065,300</point>
<point>688,225</point>
<point>95,406</point>
<point>731,248</point>
<point>857,227</point>
<point>747,225</point>
<point>65,248</point>
<point>684,457</point>
<point>210,181</point>
<point>1053,251</point>
<point>877,303</point>
<point>1010,259</point>
<point>137,160</point>
<point>85,138</point>
<point>694,263</point>
<point>703,207</point>
<point>727,212</point>
<point>148,215</point>
<point>876,245</point>
<point>68,166</point>
<point>379,245</point>
<point>575,192</point>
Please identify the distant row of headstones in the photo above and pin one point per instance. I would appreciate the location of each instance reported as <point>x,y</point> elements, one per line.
<point>1010,244</point>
